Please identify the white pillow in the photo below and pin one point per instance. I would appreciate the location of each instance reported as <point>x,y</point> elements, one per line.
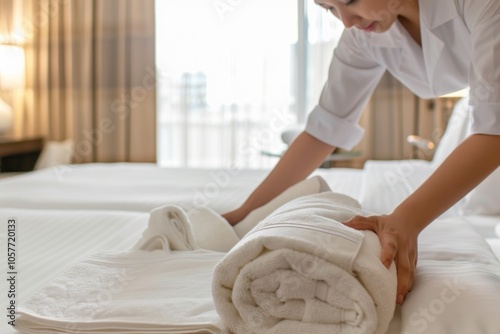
<point>54,154</point>
<point>456,131</point>
<point>484,198</point>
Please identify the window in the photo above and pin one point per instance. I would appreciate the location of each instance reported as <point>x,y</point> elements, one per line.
<point>234,74</point>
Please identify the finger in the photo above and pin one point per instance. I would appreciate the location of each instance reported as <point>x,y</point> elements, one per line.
<point>362,223</point>
<point>413,266</point>
<point>389,250</point>
<point>404,273</point>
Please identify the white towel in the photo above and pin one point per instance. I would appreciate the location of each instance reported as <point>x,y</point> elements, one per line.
<point>204,228</point>
<point>127,292</point>
<point>312,185</point>
<point>171,223</point>
<point>211,230</point>
<point>199,228</point>
<point>301,271</point>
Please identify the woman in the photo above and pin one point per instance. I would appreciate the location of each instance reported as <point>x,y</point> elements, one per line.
<point>434,48</point>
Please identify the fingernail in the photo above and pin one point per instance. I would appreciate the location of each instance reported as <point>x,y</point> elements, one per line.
<point>387,264</point>
<point>400,299</point>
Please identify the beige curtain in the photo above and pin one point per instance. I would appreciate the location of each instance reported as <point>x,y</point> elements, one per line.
<point>90,68</point>
<point>392,114</point>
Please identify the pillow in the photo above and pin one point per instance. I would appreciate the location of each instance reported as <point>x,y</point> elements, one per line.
<point>456,131</point>
<point>484,198</point>
<point>54,154</point>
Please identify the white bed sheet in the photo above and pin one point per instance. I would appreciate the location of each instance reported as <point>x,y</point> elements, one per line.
<point>49,241</point>
<point>143,187</point>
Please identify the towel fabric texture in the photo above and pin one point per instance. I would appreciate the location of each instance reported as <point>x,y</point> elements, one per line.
<point>301,271</point>
<point>127,292</point>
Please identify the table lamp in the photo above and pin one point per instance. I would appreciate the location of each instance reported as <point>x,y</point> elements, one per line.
<point>11,77</point>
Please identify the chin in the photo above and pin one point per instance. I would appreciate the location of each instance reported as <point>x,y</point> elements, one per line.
<point>383,27</point>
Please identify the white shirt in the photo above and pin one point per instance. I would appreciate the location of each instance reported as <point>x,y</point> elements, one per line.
<point>460,49</point>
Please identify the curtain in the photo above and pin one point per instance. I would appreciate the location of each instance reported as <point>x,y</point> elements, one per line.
<point>391,115</point>
<point>90,68</point>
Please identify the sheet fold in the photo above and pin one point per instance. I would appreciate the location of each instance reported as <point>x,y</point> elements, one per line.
<point>301,271</point>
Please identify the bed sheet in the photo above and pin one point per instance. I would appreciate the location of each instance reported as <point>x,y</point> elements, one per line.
<point>143,187</point>
<point>48,242</point>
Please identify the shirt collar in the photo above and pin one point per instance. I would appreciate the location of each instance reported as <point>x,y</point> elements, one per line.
<point>434,13</point>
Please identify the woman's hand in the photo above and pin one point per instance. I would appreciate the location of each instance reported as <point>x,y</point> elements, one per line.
<point>235,216</point>
<point>399,243</point>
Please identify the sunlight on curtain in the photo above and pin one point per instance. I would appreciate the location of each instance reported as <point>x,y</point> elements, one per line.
<point>227,78</point>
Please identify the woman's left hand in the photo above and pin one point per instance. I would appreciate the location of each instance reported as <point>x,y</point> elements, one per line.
<point>399,243</point>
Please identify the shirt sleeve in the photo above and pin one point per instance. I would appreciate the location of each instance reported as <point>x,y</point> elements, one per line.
<point>352,78</point>
<point>483,20</point>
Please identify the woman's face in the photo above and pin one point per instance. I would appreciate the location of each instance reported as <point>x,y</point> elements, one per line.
<point>368,15</point>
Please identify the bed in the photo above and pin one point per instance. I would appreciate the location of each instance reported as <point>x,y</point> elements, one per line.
<point>68,212</point>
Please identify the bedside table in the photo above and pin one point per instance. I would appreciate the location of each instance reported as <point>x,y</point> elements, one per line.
<point>19,154</point>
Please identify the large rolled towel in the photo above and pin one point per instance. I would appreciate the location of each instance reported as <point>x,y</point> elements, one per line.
<point>301,271</point>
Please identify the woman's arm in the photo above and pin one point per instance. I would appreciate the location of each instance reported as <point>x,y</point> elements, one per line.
<point>469,164</point>
<point>304,155</point>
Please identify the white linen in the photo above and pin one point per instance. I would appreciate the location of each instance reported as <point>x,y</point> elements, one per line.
<point>144,187</point>
<point>301,271</point>
<point>170,222</point>
<point>127,292</point>
<point>51,241</point>
<point>204,228</point>
<point>457,129</point>
<point>48,242</point>
<point>211,230</point>
<point>313,185</point>
<point>387,183</point>
<point>128,187</point>
<point>457,282</point>
<point>199,228</point>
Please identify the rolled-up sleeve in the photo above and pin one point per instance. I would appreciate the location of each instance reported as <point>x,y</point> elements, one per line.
<point>483,20</point>
<point>352,78</point>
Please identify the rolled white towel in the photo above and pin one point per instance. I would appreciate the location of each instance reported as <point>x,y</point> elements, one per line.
<point>301,271</point>
<point>312,185</point>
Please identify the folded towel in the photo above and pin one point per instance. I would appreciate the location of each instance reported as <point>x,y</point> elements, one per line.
<point>204,228</point>
<point>301,271</point>
<point>211,230</point>
<point>172,223</point>
<point>313,185</point>
<point>199,228</point>
<point>127,292</point>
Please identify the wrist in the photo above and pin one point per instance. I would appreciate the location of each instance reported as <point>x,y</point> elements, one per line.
<point>413,221</point>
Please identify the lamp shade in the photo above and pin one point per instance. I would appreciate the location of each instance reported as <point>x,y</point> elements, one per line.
<point>5,117</point>
<point>11,67</point>
<point>11,77</point>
